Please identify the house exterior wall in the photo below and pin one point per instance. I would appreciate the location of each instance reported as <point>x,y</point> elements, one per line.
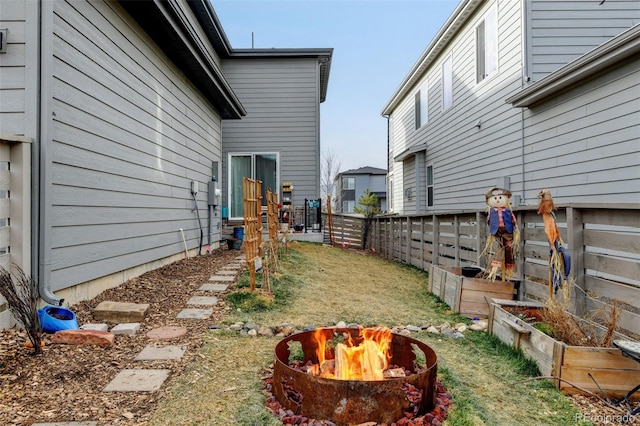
<point>124,133</point>
<point>281,97</point>
<point>466,160</point>
<point>574,145</point>
<point>586,142</point>
<point>561,31</point>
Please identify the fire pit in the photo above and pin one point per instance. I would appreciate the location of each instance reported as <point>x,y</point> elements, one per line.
<point>352,376</point>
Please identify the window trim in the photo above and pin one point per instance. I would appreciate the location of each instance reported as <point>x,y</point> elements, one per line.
<point>486,38</point>
<point>421,105</point>
<point>447,89</point>
<point>429,186</point>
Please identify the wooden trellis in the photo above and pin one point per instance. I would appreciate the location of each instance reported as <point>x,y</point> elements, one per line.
<point>272,214</point>
<point>330,220</point>
<point>252,193</point>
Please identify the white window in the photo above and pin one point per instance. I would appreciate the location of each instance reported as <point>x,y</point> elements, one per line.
<point>429,186</point>
<point>447,83</point>
<point>347,206</point>
<point>422,106</point>
<point>348,183</point>
<point>487,45</point>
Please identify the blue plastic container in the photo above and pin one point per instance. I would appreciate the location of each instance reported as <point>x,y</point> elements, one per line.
<point>238,232</point>
<point>57,318</point>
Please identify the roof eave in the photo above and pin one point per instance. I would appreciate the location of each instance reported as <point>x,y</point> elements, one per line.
<point>459,16</point>
<point>323,55</point>
<point>616,50</point>
<point>164,25</point>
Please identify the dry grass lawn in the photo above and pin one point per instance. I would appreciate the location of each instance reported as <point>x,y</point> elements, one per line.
<point>323,285</point>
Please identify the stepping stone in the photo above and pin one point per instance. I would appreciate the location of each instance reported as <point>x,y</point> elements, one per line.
<point>227,272</point>
<point>120,312</point>
<point>203,300</point>
<point>195,313</point>
<point>241,257</point>
<point>130,328</point>
<point>222,278</point>
<point>137,381</point>
<point>66,424</point>
<point>214,287</point>
<point>95,327</point>
<point>154,353</point>
<point>167,333</point>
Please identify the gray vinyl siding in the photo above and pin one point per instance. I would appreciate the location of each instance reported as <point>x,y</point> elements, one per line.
<point>586,143</point>
<point>409,183</point>
<point>467,160</point>
<point>18,68</point>
<point>127,135</point>
<point>561,30</point>
<point>281,96</point>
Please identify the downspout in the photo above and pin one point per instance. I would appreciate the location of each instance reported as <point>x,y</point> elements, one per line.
<point>38,236</point>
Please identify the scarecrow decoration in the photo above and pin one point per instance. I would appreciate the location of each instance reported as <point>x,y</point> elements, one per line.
<point>559,259</point>
<point>503,229</point>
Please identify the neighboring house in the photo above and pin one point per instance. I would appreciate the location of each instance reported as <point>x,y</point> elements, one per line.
<point>526,95</point>
<point>279,139</point>
<point>352,184</point>
<point>113,120</point>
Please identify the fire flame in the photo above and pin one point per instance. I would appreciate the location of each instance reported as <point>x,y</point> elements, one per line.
<point>365,357</point>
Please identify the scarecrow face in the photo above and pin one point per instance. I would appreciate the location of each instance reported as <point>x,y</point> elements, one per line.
<point>497,201</point>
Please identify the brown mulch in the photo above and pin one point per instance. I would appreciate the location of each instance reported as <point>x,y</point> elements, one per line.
<point>65,382</point>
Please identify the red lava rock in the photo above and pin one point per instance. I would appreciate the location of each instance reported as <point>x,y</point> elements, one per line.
<point>84,337</point>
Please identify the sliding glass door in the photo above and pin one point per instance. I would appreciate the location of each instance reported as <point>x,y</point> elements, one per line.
<point>262,166</point>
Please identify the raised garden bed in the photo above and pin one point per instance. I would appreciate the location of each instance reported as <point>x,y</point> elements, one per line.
<point>467,295</point>
<point>614,373</point>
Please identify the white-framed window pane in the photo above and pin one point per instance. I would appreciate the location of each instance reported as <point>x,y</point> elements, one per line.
<point>424,104</point>
<point>447,83</point>
<point>347,206</point>
<point>487,45</point>
<point>491,41</point>
<point>429,186</point>
<point>421,102</point>
<point>348,183</point>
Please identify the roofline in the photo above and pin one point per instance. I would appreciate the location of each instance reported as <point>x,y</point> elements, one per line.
<point>323,55</point>
<point>455,21</point>
<point>623,46</point>
<point>167,24</point>
<point>212,26</point>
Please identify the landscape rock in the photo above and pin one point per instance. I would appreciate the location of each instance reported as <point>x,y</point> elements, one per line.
<point>104,339</point>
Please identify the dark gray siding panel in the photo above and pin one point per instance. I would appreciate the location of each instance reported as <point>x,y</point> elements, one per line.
<point>282,103</point>
<point>128,134</point>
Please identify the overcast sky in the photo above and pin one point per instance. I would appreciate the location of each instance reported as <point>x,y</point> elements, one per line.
<point>375,45</point>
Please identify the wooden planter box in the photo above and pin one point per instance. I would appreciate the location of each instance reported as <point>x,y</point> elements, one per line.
<point>470,297</point>
<point>613,372</point>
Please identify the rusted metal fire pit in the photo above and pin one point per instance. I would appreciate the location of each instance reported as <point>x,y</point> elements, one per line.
<point>353,401</point>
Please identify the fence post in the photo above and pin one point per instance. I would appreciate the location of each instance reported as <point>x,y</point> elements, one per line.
<point>422,243</point>
<point>575,241</point>
<point>481,234</point>
<point>436,240</point>
<point>409,225</point>
<point>456,238</point>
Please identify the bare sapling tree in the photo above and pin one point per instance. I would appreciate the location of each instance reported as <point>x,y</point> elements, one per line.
<point>368,207</point>
<point>330,166</point>
<point>22,298</point>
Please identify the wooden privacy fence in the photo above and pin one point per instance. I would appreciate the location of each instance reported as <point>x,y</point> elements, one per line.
<point>603,241</point>
<point>346,230</point>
